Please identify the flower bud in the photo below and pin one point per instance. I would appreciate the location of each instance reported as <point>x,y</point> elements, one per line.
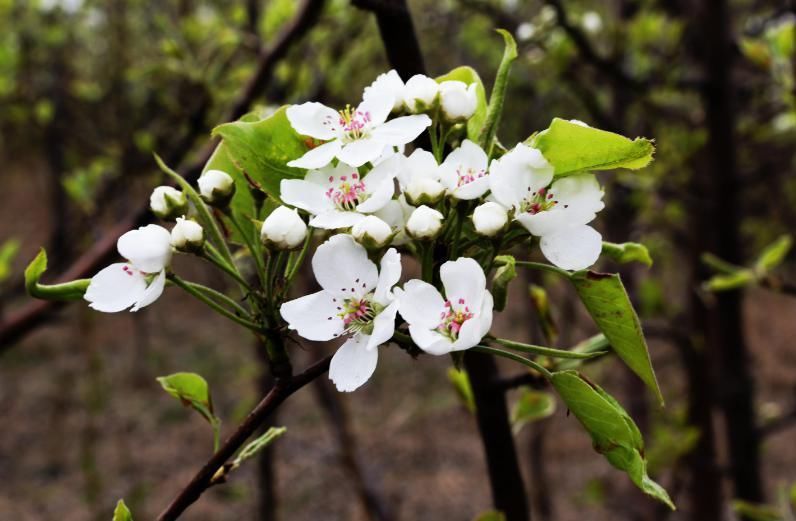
<point>424,223</point>
<point>371,232</point>
<point>489,218</point>
<point>458,101</point>
<point>187,235</point>
<point>420,93</point>
<point>283,229</point>
<point>168,203</point>
<point>216,188</point>
<point>424,190</point>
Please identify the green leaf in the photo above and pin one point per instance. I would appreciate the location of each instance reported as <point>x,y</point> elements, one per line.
<point>501,280</point>
<point>73,290</point>
<point>627,252</point>
<point>613,432</point>
<point>192,390</point>
<point>255,446</point>
<point>263,148</point>
<point>122,513</point>
<point>609,305</point>
<point>731,281</point>
<point>492,515</point>
<point>461,382</point>
<point>498,95</point>
<point>8,251</point>
<point>467,75</point>
<point>756,512</point>
<point>531,406</point>
<point>573,148</point>
<point>773,254</point>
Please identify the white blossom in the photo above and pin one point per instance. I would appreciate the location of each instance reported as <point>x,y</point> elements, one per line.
<point>216,187</point>
<point>167,202</point>
<point>458,100</point>
<point>424,223</point>
<point>138,282</point>
<point>456,321</point>
<point>420,93</point>
<point>284,229</point>
<point>464,172</point>
<point>419,179</point>
<point>357,301</point>
<point>389,83</point>
<point>489,218</point>
<point>187,235</point>
<point>371,232</point>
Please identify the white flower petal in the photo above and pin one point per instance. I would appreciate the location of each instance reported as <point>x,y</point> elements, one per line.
<point>581,193</point>
<point>318,157</point>
<point>473,189</point>
<point>430,341</point>
<point>388,83</point>
<point>314,119</point>
<point>381,195</point>
<point>574,248</point>
<point>400,131</point>
<point>377,106</point>
<point>463,279</point>
<point>421,304</point>
<point>361,151</point>
<point>152,292</point>
<point>335,219</point>
<point>342,267</point>
<point>353,364</point>
<point>115,288</point>
<point>314,316</point>
<point>306,195</point>
<point>148,248</point>
<point>389,273</point>
<point>383,326</point>
<point>521,171</point>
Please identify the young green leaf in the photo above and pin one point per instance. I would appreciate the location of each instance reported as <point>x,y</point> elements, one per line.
<point>627,252</point>
<point>73,290</point>
<point>255,446</point>
<point>531,406</point>
<point>263,148</point>
<point>192,390</point>
<point>608,304</point>
<point>121,512</point>
<point>613,432</point>
<point>492,515</point>
<point>730,281</point>
<point>756,512</point>
<point>773,255</point>
<point>461,382</point>
<point>498,95</point>
<point>467,75</point>
<point>573,148</point>
<point>501,280</point>
<point>8,251</point>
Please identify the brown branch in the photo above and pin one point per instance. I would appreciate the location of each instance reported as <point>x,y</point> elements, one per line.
<point>283,388</point>
<point>17,324</point>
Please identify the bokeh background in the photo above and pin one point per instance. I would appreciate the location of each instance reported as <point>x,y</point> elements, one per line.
<point>90,88</point>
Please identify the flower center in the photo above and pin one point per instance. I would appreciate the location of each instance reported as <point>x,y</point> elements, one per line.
<point>354,123</point>
<point>452,319</point>
<point>358,313</point>
<point>468,175</point>
<point>539,201</point>
<point>346,192</point>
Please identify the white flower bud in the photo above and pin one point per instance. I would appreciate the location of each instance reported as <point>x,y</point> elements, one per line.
<point>167,202</point>
<point>458,100</point>
<point>420,93</point>
<point>187,235</point>
<point>489,218</point>
<point>283,229</point>
<point>216,187</point>
<point>372,232</point>
<point>424,223</point>
<point>424,190</point>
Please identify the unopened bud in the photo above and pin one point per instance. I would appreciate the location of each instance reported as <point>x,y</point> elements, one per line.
<point>489,218</point>
<point>216,188</point>
<point>424,190</point>
<point>424,223</point>
<point>168,203</point>
<point>420,93</point>
<point>283,229</point>
<point>187,235</point>
<point>458,101</point>
<point>371,232</point>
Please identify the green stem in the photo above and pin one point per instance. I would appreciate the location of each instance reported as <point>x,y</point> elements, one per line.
<point>216,425</point>
<point>427,266</point>
<point>511,356</point>
<point>255,248</point>
<point>545,351</point>
<point>544,267</point>
<point>224,298</point>
<point>213,256</point>
<point>294,266</point>
<point>199,295</point>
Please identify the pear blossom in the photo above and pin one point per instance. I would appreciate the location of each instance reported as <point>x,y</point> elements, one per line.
<point>391,83</point>
<point>139,281</point>
<point>464,172</point>
<point>420,93</point>
<point>283,229</point>
<point>216,187</point>
<point>187,235</point>
<point>338,196</point>
<point>396,213</point>
<point>167,202</point>
<point>354,136</point>
<point>371,232</point>
<point>418,178</point>
<point>424,223</point>
<point>557,211</point>
<point>454,322</point>
<point>489,218</point>
<point>458,100</point>
<point>356,300</point>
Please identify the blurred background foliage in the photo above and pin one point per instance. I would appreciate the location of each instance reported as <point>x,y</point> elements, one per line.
<point>90,88</point>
